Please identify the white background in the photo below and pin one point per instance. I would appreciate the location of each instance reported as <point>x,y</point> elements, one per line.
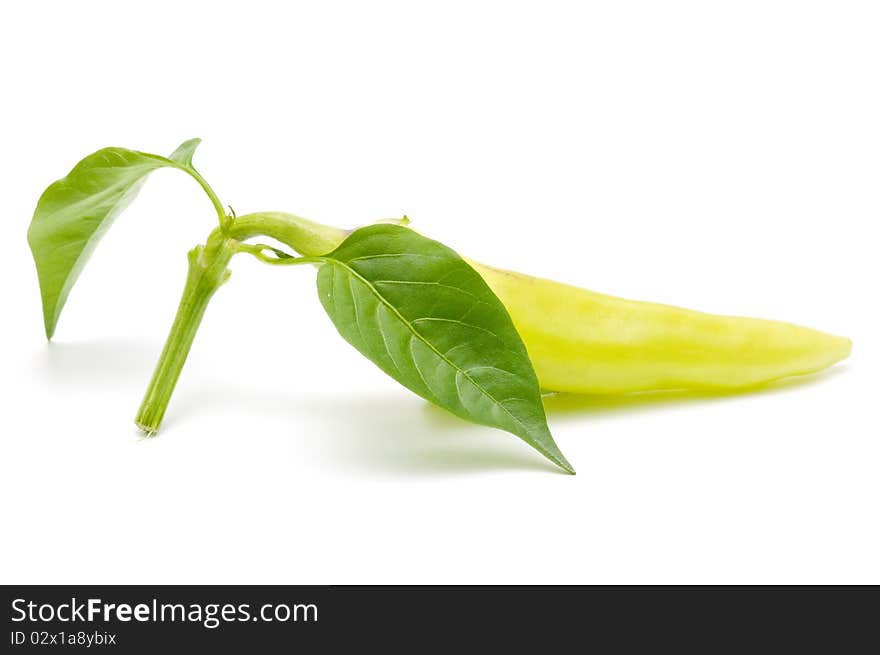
<point>721,156</point>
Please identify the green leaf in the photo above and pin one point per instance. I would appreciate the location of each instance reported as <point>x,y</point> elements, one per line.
<point>425,317</point>
<point>74,213</point>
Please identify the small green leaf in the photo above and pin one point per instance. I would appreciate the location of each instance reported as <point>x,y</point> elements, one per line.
<point>425,317</point>
<point>74,213</point>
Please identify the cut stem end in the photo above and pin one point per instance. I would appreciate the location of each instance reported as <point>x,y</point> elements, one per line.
<point>207,272</point>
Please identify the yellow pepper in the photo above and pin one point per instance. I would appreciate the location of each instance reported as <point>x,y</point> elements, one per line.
<point>585,342</point>
<point>580,341</point>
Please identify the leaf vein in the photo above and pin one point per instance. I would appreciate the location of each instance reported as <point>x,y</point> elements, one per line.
<point>431,346</point>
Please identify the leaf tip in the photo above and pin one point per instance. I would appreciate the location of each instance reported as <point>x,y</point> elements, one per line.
<point>50,320</point>
<point>184,153</point>
<point>565,466</point>
<point>555,455</point>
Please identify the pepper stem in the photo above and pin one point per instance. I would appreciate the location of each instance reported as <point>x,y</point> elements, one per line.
<point>306,237</point>
<point>207,272</point>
